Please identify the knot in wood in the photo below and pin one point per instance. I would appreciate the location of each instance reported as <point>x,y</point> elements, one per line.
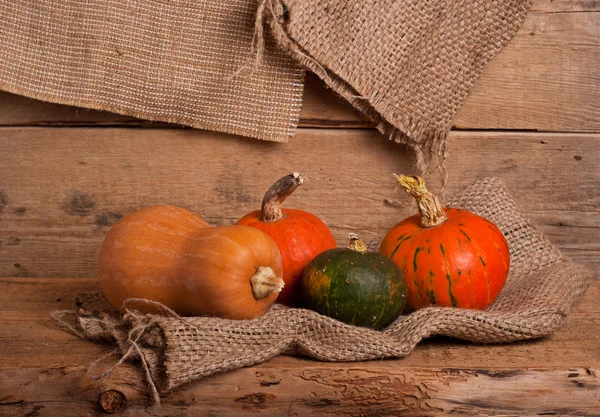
<point>111,401</point>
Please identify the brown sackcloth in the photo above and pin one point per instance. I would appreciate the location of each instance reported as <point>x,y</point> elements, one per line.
<point>172,61</point>
<point>408,65</point>
<point>542,287</point>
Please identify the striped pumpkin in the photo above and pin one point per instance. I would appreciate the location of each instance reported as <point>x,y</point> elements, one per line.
<point>450,257</point>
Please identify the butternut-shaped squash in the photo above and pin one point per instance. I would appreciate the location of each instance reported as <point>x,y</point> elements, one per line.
<point>170,255</point>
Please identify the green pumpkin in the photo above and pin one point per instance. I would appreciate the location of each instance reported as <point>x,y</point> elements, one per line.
<point>355,286</point>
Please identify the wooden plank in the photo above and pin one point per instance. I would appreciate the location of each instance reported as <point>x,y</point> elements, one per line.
<point>565,6</point>
<point>547,78</point>
<point>61,189</point>
<point>315,392</point>
<point>559,375</point>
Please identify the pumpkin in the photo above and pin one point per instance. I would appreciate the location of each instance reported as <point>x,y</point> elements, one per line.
<point>450,257</point>
<point>355,286</point>
<point>299,235</point>
<point>171,256</point>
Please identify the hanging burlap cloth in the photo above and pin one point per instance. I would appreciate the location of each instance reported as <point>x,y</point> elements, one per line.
<point>186,61</point>
<point>541,289</point>
<point>408,65</point>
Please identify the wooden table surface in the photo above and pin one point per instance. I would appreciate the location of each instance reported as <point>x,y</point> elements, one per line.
<point>68,174</point>
<point>43,372</point>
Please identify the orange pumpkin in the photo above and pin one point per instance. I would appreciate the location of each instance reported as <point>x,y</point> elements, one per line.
<point>170,255</point>
<point>450,257</point>
<point>299,235</point>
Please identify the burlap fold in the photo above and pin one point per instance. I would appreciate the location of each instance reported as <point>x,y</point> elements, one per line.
<point>171,61</point>
<point>407,65</point>
<point>541,289</point>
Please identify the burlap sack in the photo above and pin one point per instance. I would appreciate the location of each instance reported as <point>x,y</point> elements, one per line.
<point>542,287</point>
<point>408,65</point>
<point>156,60</point>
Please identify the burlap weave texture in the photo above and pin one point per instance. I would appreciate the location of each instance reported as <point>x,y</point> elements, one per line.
<point>408,65</point>
<point>541,289</point>
<point>156,60</point>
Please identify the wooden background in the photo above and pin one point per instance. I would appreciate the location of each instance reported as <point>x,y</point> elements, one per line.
<point>67,174</point>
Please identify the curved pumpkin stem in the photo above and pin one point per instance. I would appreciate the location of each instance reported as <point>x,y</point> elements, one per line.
<point>431,210</point>
<point>274,197</point>
<point>356,243</point>
<point>264,282</point>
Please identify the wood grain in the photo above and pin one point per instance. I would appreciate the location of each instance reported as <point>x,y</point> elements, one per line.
<point>547,78</point>
<point>42,372</point>
<point>61,189</point>
<point>315,391</point>
<point>565,6</point>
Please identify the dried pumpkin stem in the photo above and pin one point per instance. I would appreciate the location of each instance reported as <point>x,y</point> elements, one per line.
<point>264,282</point>
<point>430,208</point>
<point>356,243</point>
<point>274,197</point>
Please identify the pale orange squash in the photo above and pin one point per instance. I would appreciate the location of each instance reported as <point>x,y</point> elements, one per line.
<point>170,255</point>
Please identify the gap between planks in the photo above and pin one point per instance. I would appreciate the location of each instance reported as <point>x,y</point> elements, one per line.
<point>455,131</point>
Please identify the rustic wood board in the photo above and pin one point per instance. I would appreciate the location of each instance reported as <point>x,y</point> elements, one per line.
<point>61,189</point>
<point>42,372</point>
<point>545,79</point>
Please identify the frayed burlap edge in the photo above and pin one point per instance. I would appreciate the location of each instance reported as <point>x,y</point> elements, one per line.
<point>427,141</point>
